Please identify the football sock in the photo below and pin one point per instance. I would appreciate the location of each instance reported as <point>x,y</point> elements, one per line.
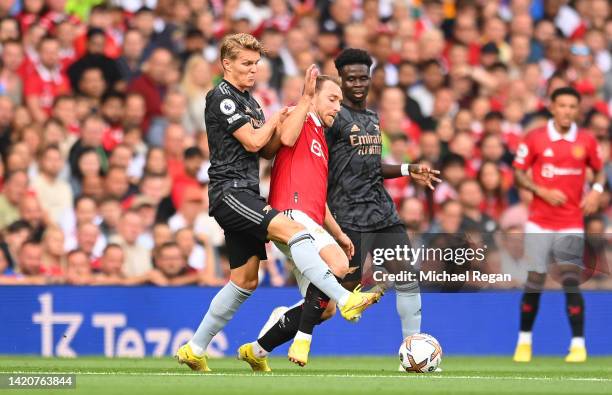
<point>529,309</point>
<point>524,338</point>
<point>222,308</point>
<point>283,331</point>
<point>315,304</point>
<point>303,336</point>
<point>408,303</point>
<point>574,304</point>
<point>310,264</point>
<point>577,342</point>
<point>258,350</point>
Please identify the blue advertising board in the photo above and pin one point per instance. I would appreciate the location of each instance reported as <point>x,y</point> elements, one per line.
<point>153,321</point>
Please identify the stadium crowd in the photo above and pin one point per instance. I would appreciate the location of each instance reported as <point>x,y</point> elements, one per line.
<point>103,170</point>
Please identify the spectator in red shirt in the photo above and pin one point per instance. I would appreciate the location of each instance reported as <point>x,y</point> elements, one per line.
<point>45,81</point>
<point>174,143</point>
<point>193,159</point>
<point>152,83</point>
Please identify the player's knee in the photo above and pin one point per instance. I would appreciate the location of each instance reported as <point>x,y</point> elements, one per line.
<point>244,282</point>
<point>329,312</point>
<point>535,280</point>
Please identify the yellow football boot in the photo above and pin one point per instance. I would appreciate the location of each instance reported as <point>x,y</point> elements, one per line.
<point>185,355</point>
<point>357,302</point>
<point>246,354</point>
<point>576,354</point>
<point>522,353</point>
<point>298,352</point>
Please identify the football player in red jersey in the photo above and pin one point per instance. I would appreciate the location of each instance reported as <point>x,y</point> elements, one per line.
<point>299,189</point>
<point>558,155</point>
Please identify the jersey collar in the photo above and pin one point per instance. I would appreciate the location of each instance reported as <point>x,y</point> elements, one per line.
<point>316,119</point>
<point>555,136</point>
<point>246,93</point>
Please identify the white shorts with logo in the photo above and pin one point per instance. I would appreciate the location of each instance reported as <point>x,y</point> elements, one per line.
<point>321,239</point>
<point>544,246</point>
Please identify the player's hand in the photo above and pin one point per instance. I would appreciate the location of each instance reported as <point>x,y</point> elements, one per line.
<point>310,80</point>
<point>346,244</point>
<point>553,197</point>
<point>424,175</point>
<point>284,113</point>
<point>590,203</point>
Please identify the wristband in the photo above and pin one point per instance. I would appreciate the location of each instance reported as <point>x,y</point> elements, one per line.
<point>597,187</point>
<point>405,169</point>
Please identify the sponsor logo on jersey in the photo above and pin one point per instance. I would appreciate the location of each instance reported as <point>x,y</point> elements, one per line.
<point>355,129</point>
<point>315,148</point>
<point>233,118</point>
<point>548,153</point>
<point>578,151</point>
<point>227,106</point>
<point>550,170</point>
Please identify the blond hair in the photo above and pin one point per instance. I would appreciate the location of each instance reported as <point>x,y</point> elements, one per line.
<point>187,85</point>
<point>233,43</point>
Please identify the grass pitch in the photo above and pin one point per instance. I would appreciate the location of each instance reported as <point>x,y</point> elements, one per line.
<point>323,375</point>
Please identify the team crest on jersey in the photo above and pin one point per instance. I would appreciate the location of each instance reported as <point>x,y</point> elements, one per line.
<point>227,106</point>
<point>578,151</point>
<point>355,129</point>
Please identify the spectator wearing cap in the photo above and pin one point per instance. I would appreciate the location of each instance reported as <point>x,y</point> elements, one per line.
<point>171,267</point>
<point>56,192</point>
<point>137,257</point>
<point>94,57</point>
<point>45,80</point>
<point>131,56</point>
<point>152,83</point>
<point>13,191</point>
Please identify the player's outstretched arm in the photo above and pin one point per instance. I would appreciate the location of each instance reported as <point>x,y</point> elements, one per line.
<point>290,129</point>
<point>422,174</point>
<point>253,139</point>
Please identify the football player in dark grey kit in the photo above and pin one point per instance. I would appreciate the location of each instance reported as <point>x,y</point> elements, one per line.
<point>356,195</point>
<point>237,131</point>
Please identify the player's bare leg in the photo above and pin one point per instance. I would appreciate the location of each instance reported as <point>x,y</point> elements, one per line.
<point>530,303</point>
<point>310,264</point>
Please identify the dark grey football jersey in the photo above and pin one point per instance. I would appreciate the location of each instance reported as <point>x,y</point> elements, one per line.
<point>231,165</point>
<point>355,193</point>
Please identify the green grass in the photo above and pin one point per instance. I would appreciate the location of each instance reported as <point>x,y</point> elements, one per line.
<point>351,375</point>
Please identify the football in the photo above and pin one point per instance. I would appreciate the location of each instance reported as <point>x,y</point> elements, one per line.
<point>420,353</point>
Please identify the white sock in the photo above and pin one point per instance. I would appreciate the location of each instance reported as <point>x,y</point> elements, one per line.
<point>303,336</point>
<point>577,342</point>
<point>342,301</point>
<point>259,350</point>
<point>197,350</point>
<point>524,338</point>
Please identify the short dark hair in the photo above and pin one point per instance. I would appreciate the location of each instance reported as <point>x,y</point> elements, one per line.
<point>18,226</point>
<point>193,152</point>
<point>452,159</point>
<point>111,245</point>
<point>164,246</point>
<point>95,31</point>
<point>565,91</point>
<point>351,56</point>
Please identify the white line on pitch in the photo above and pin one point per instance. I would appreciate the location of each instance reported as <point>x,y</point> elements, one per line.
<point>332,375</point>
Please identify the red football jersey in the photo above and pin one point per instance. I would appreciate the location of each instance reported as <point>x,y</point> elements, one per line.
<point>558,162</point>
<point>46,85</point>
<point>299,173</point>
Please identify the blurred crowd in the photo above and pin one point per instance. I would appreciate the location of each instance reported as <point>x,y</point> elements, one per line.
<point>104,155</point>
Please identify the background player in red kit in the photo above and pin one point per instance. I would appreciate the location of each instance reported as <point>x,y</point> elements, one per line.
<point>558,155</point>
<point>299,188</point>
